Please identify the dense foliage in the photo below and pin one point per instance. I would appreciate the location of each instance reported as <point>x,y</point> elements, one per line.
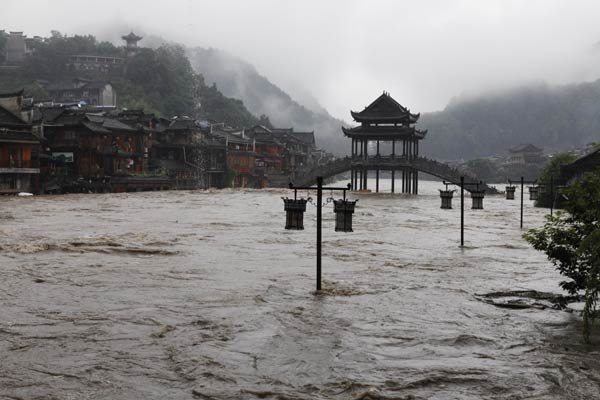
<point>554,118</point>
<point>3,39</point>
<point>550,180</point>
<point>571,240</point>
<point>159,80</point>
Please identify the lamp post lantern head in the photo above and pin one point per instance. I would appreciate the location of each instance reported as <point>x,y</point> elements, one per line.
<point>294,210</point>
<point>477,199</point>
<point>343,214</point>
<point>510,192</point>
<point>446,196</point>
<point>533,192</point>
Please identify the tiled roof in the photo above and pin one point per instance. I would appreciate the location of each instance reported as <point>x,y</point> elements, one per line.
<point>96,128</point>
<point>525,148</point>
<point>12,94</point>
<point>8,117</point>
<point>385,109</point>
<point>306,137</point>
<point>183,123</point>
<point>16,136</point>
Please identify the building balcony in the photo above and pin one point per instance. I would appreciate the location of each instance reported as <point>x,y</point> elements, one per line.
<point>19,164</point>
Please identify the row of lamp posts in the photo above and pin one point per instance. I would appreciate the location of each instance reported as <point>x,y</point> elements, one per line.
<point>344,208</point>
<point>477,196</point>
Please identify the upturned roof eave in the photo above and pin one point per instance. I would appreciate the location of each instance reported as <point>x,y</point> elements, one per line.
<point>399,117</point>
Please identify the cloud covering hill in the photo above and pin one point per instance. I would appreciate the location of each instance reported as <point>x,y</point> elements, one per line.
<point>238,79</point>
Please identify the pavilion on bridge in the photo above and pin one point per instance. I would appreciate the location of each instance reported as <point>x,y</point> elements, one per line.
<point>385,120</point>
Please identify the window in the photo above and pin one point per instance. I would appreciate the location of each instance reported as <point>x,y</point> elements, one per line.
<point>70,135</point>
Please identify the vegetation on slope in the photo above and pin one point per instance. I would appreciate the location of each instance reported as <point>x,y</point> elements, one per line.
<point>159,80</point>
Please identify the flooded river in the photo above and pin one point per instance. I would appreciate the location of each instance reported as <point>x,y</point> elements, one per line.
<point>203,294</point>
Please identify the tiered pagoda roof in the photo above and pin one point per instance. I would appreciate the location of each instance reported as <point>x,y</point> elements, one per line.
<point>385,110</point>
<point>131,37</point>
<point>385,119</point>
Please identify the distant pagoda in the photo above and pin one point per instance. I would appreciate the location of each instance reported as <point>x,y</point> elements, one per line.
<point>131,40</point>
<point>384,120</point>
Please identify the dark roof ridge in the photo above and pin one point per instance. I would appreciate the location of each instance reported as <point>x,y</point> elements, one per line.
<point>12,94</point>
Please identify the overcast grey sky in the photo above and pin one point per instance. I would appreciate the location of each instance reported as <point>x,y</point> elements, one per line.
<point>345,53</point>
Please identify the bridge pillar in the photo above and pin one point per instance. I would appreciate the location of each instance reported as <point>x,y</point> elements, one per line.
<point>362,179</point>
<point>393,178</point>
<point>377,180</point>
<point>415,181</point>
<point>401,180</point>
<point>366,175</point>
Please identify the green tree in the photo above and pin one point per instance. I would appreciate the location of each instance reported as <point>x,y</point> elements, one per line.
<point>487,170</point>
<point>571,240</point>
<point>265,121</point>
<point>3,40</point>
<point>159,80</point>
<point>550,178</point>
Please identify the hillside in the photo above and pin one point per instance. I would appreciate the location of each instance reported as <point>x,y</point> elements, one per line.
<point>206,83</point>
<point>552,117</point>
<point>236,78</point>
<point>159,80</point>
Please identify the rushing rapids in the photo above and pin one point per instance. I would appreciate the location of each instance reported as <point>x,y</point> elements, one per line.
<point>203,294</point>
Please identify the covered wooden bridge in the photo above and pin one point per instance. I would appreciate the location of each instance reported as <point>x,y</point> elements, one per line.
<point>387,123</point>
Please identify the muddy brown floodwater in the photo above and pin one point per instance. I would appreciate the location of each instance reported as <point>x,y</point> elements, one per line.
<point>203,294</point>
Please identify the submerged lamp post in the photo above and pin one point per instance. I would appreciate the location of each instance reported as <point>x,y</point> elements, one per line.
<point>342,207</point>
<point>523,182</point>
<point>477,202</point>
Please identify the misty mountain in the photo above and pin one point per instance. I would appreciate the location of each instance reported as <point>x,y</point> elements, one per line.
<point>555,118</point>
<point>238,79</point>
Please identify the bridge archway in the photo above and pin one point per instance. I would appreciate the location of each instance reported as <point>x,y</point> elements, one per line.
<point>421,164</point>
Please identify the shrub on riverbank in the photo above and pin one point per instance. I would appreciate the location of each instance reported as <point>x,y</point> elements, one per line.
<point>571,240</point>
